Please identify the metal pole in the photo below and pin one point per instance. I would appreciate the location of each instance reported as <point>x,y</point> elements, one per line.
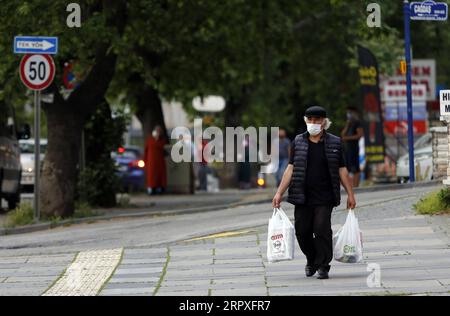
<point>37,152</point>
<point>406,14</point>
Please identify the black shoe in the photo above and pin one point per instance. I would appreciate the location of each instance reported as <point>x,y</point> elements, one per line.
<point>322,273</point>
<point>310,270</point>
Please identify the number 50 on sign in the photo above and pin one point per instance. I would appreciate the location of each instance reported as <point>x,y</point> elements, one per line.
<point>37,71</point>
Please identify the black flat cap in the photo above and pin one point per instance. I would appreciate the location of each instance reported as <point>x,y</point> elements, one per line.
<point>316,110</point>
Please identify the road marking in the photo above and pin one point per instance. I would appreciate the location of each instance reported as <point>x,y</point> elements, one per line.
<point>222,235</point>
<point>87,274</point>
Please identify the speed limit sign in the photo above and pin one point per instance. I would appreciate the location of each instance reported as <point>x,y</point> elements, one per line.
<point>37,71</point>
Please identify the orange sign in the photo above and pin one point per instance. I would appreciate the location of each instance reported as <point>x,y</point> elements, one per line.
<point>403,67</point>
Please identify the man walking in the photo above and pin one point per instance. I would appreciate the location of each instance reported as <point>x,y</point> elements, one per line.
<point>313,176</point>
<point>351,134</point>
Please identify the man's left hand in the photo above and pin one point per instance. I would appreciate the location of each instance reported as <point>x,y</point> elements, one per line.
<point>351,202</point>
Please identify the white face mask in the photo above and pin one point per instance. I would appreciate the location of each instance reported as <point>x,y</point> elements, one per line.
<point>349,116</point>
<point>154,133</point>
<point>314,129</point>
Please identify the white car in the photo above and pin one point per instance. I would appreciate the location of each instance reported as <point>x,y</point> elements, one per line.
<point>423,161</point>
<point>27,160</point>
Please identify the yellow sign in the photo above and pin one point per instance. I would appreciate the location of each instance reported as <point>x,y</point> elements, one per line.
<point>368,75</point>
<point>403,67</point>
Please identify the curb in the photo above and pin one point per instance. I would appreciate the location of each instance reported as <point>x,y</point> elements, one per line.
<point>397,186</point>
<point>47,226</point>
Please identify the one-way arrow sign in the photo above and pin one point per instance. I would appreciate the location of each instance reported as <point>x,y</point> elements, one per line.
<point>35,44</point>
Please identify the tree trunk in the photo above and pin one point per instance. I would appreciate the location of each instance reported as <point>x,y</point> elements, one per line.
<point>66,118</point>
<point>65,121</point>
<point>233,112</point>
<point>150,112</point>
<point>59,174</point>
<point>298,110</point>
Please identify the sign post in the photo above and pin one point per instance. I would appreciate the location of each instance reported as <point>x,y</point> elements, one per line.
<point>406,12</point>
<point>428,11</point>
<point>37,152</point>
<point>37,71</point>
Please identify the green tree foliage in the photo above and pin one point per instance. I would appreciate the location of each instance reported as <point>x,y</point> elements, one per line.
<point>98,182</point>
<point>269,59</point>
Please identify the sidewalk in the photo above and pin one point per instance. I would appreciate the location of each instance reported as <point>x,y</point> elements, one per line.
<point>198,201</point>
<point>225,198</point>
<point>410,253</point>
<point>412,260</point>
<point>142,205</point>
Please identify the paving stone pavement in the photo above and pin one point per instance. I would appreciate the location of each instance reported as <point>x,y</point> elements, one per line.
<point>87,274</point>
<point>405,252</point>
<point>31,275</point>
<point>403,255</point>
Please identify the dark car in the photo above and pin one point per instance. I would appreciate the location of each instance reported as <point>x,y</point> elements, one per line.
<point>10,166</point>
<point>130,168</point>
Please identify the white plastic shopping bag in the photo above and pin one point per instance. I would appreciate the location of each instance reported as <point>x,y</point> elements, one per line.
<point>280,237</point>
<point>348,241</point>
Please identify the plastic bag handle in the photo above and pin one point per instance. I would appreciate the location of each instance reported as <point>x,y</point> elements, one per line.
<point>278,211</point>
<point>275,210</point>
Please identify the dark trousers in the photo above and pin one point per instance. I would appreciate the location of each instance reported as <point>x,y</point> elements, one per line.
<point>314,235</point>
<point>203,176</point>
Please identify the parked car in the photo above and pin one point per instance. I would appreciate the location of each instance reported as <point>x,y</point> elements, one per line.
<point>130,168</point>
<point>10,167</point>
<point>27,161</point>
<point>423,160</point>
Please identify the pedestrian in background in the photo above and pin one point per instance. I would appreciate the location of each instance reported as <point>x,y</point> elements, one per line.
<point>284,152</point>
<point>244,169</point>
<point>350,135</point>
<point>155,165</point>
<point>203,168</point>
<point>313,176</point>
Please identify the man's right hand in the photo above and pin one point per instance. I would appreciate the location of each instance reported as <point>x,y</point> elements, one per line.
<point>276,200</point>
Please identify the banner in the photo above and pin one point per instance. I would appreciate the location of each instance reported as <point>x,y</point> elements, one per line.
<point>370,106</point>
<point>423,72</point>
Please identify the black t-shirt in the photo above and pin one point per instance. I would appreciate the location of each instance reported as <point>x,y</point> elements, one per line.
<point>318,187</point>
<point>352,146</point>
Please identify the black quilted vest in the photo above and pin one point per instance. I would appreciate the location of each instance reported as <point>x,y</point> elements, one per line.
<point>296,191</point>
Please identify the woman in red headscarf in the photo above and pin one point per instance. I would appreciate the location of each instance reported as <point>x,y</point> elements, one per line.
<point>155,165</point>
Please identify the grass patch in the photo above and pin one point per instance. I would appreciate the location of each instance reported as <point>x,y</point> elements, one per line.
<point>83,210</point>
<point>21,216</point>
<point>124,200</point>
<point>434,203</point>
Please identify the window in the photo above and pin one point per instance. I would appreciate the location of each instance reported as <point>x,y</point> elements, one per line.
<point>423,141</point>
<point>28,148</point>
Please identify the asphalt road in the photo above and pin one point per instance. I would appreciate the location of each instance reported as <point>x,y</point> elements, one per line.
<point>152,231</point>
